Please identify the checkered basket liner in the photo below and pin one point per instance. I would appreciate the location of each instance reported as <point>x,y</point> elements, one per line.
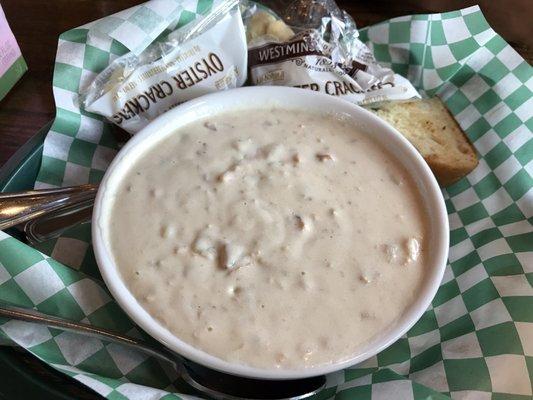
<point>474,342</point>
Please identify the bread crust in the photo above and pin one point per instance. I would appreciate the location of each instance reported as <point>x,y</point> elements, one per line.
<point>431,128</point>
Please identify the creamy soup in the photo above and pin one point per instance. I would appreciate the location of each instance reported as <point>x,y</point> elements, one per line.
<point>272,238</point>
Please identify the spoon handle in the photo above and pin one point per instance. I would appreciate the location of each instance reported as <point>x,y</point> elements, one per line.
<point>29,315</point>
<point>19,207</point>
<point>218,385</point>
<point>54,223</point>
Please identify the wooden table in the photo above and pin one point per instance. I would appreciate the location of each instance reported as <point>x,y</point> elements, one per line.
<point>37,24</point>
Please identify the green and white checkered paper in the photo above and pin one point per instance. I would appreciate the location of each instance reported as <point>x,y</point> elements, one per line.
<point>475,341</point>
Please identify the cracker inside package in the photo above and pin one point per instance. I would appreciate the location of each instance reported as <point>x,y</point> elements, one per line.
<point>207,55</point>
<point>314,45</point>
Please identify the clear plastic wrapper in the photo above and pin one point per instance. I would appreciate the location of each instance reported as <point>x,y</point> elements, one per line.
<point>207,55</point>
<point>312,44</point>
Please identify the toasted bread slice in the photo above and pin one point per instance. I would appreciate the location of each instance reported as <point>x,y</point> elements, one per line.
<point>430,127</point>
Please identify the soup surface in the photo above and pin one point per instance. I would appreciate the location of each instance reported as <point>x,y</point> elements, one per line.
<point>272,238</point>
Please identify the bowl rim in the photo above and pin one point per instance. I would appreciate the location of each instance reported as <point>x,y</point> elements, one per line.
<point>258,97</point>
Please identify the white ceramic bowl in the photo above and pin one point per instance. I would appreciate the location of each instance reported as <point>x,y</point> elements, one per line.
<point>257,97</point>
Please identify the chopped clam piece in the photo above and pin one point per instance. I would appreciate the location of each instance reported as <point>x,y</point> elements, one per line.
<point>205,244</point>
<point>324,157</point>
<point>296,159</point>
<point>300,223</point>
<point>225,176</point>
<point>210,125</point>
<point>230,255</point>
<point>274,152</point>
<point>228,174</point>
<point>167,231</point>
<point>245,147</point>
<point>180,250</point>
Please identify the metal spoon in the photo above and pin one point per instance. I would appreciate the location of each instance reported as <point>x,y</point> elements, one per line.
<point>45,214</point>
<point>215,384</point>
